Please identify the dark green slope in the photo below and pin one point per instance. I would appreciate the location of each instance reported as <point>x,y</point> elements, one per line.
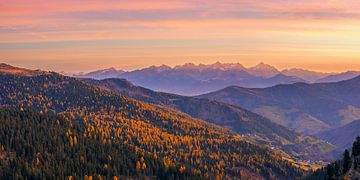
<point>34,145</point>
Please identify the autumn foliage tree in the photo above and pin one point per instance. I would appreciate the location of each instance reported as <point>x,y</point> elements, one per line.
<point>96,132</point>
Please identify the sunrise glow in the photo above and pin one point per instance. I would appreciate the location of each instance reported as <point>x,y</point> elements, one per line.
<point>73,36</point>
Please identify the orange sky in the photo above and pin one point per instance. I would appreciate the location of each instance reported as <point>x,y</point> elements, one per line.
<point>83,35</point>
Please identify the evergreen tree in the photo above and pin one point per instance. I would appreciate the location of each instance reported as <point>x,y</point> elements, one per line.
<point>346,161</point>
<point>335,171</point>
<point>356,147</point>
<point>80,130</point>
<point>330,171</point>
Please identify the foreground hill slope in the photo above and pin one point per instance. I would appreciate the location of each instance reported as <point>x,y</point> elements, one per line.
<point>46,146</point>
<point>241,121</point>
<point>346,168</point>
<point>307,108</point>
<point>182,142</point>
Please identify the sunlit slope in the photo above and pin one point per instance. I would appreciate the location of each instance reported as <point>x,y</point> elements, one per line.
<point>257,128</point>
<point>181,141</point>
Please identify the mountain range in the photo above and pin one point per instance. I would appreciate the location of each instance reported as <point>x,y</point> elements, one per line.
<point>191,79</point>
<point>53,124</point>
<point>305,108</point>
<point>339,77</point>
<point>341,136</point>
<point>100,74</point>
<point>286,123</point>
<point>250,125</point>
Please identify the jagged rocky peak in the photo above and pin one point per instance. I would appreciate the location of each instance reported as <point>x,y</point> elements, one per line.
<point>263,70</point>
<point>217,65</point>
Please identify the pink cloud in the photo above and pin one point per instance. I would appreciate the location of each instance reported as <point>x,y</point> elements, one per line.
<point>274,26</point>
<point>36,7</point>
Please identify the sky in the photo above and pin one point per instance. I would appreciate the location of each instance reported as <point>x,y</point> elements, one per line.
<point>84,35</point>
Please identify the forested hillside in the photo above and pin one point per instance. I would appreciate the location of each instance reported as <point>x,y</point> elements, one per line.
<point>181,143</point>
<point>244,122</point>
<point>42,146</point>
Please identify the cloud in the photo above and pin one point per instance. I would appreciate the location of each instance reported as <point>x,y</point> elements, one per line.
<point>191,9</point>
<point>30,28</point>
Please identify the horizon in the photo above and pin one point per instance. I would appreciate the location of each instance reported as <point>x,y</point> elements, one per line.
<point>80,36</point>
<point>173,66</point>
<point>180,89</point>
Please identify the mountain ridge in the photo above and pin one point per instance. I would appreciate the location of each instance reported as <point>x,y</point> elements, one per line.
<point>192,79</point>
<point>340,136</point>
<point>8,69</point>
<point>263,70</point>
<point>311,76</point>
<point>228,116</point>
<point>100,74</point>
<point>331,103</point>
<point>110,118</point>
<point>339,77</point>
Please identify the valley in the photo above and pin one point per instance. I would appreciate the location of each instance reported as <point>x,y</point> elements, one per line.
<point>151,122</point>
<point>108,118</point>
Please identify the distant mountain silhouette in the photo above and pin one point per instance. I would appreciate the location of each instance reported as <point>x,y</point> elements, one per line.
<point>306,108</point>
<point>192,79</point>
<point>339,77</point>
<point>310,76</point>
<point>100,74</point>
<point>263,70</point>
<point>217,65</point>
<point>342,136</point>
